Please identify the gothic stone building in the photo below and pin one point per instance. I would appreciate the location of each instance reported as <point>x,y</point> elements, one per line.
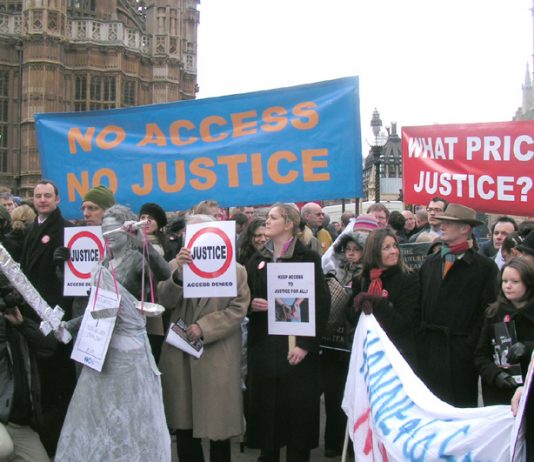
<point>82,55</point>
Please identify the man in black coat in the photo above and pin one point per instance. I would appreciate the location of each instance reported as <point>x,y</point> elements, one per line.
<point>37,262</point>
<point>456,287</point>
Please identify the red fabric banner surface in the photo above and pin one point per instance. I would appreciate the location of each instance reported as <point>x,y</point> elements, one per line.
<point>486,166</point>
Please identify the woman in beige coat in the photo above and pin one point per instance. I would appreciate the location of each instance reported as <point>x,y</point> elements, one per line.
<point>202,397</point>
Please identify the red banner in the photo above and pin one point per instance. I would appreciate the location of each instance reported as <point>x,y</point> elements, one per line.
<point>489,167</point>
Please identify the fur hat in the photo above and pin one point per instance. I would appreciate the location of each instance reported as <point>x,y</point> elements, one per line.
<point>101,196</point>
<point>156,212</point>
<point>344,239</point>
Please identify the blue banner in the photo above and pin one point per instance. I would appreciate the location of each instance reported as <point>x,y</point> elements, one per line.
<point>291,144</point>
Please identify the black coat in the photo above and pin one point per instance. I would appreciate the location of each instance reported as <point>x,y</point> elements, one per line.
<point>37,260</point>
<point>488,370</point>
<point>452,313</point>
<point>29,343</point>
<point>396,313</point>
<point>58,377</point>
<point>283,400</point>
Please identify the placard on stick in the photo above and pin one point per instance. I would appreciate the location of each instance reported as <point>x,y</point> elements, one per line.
<point>291,298</point>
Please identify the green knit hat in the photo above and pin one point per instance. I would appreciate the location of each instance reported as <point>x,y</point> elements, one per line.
<point>101,196</point>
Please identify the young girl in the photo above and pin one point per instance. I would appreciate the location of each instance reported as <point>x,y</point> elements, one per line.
<point>514,311</point>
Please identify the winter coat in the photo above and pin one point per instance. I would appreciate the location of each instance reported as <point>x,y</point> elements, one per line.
<point>205,394</point>
<point>396,313</point>
<point>37,259</point>
<point>30,343</point>
<point>451,317</point>
<point>283,400</point>
<point>524,325</point>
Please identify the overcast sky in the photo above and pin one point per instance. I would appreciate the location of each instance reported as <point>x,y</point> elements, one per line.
<point>419,61</point>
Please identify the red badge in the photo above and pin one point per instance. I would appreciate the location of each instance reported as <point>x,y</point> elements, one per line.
<point>45,239</point>
<point>507,318</point>
<point>261,265</point>
<point>385,293</point>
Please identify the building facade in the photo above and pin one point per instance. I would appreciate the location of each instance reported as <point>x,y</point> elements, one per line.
<point>82,55</point>
<point>390,169</point>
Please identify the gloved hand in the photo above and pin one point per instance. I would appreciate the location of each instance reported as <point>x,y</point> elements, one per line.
<point>517,351</point>
<point>61,255</point>
<point>504,380</point>
<point>366,302</point>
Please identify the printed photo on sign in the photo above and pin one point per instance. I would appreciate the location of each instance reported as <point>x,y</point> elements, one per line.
<point>86,248</point>
<point>291,298</point>
<point>212,273</point>
<point>292,310</point>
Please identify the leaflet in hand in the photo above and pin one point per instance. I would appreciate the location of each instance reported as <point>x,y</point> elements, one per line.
<point>177,337</point>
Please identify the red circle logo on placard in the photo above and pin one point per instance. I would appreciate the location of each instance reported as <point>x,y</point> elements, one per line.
<point>229,253</point>
<point>73,239</point>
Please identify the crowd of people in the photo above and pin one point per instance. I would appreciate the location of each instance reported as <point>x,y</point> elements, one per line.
<point>466,313</point>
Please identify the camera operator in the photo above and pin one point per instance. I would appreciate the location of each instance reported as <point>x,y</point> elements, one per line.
<point>20,342</point>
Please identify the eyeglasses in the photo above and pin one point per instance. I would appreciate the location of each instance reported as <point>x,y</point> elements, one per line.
<point>435,210</point>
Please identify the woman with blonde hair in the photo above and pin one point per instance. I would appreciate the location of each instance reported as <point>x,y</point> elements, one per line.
<point>283,380</point>
<point>21,219</point>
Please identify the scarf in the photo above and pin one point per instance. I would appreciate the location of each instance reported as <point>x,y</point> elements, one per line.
<point>376,287</point>
<point>450,253</point>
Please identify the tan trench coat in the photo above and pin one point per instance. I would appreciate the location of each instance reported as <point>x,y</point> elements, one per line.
<point>205,394</point>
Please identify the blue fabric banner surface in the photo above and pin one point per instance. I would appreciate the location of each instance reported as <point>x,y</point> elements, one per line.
<point>291,144</point>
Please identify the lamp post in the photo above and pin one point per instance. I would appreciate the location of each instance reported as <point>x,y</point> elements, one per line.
<point>376,149</point>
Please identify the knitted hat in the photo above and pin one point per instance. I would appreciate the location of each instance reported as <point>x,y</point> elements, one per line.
<point>4,214</point>
<point>156,212</point>
<point>365,223</point>
<point>101,196</point>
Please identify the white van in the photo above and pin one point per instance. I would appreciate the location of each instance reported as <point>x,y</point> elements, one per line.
<point>334,211</point>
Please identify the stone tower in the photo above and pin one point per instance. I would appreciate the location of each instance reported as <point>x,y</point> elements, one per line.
<point>81,55</point>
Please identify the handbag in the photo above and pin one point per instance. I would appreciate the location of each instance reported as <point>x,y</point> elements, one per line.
<point>339,298</point>
<point>6,443</point>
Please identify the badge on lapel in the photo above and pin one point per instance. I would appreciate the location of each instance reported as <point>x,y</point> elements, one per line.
<point>45,239</point>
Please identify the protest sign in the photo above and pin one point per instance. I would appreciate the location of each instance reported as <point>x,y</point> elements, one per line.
<point>86,247</point>
<point>414,254</point>
<point>212,272</point>
<point>93,338</point>
<point>290,144</point>
<point>291,299</point>
<point>486,166</point>
<point>392,416</point>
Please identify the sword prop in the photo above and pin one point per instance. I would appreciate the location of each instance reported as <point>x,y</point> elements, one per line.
<point>128,226</point>
<point>51,318</point>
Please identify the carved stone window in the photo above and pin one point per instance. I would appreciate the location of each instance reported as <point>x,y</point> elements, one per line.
<point>80,93</point>
<point>113,32</point>
<point>37,20</point>
<point>96,30</point>
<point>128,93</point>
<point>131,38</point>
<point>173,48</point>
<point>160,44</point>
<point>82,30</point>
<point>53,21</point>
<point>4,24</point>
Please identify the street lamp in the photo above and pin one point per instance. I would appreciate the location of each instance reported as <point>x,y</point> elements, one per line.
<point>376,149</point>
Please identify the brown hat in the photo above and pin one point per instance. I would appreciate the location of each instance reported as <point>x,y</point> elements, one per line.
<point>459,214</point>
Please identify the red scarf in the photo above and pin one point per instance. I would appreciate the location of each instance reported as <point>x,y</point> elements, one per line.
<point>376,287</point>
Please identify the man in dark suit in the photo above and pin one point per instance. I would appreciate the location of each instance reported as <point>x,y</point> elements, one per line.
<point>37,262</point>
